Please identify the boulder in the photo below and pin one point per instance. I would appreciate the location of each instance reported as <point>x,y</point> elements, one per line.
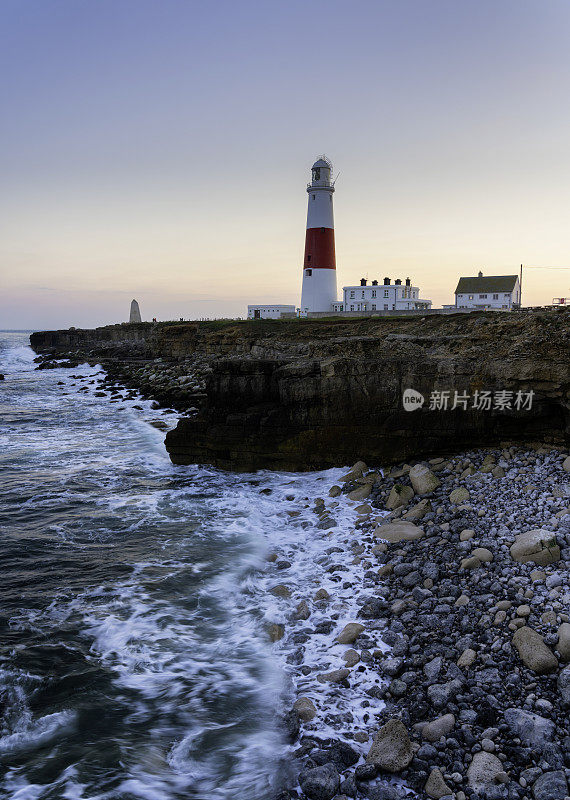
<point>563,645</point>
<point>435,785</point>
<point>418,511</point>
<point>423,480</point>
<point>566,464</point>
<point>550,786</point>
<point>533,730</point>
<point>350,633</point>
<point>434,730</point>
<point>280,590</point>
<point>564,686</point>
<point>276,632</point>
<point>335,676</point>
<point>361,493</point>
<point>334,491</point>
<point>305,708</point>
<point>459,496</point>
<point>399,496</point>
<point>533,652</point>
<point>391,749</point>
<point>538,546</point>
<point>320,783</point>
<point>483,771</point>
<point>482,554</point>
<point>399,531</point>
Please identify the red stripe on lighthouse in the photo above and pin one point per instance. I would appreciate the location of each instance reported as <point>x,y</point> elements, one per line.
<point>319,248</point>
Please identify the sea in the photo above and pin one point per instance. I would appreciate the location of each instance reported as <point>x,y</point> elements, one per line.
<point>134,606</point>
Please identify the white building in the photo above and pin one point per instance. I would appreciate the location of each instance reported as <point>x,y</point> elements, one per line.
<point>270,311</point>
<point>387,296</point>
<point>493,291</point>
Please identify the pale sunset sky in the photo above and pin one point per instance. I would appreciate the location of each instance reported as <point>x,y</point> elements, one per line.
<point>160,149</point>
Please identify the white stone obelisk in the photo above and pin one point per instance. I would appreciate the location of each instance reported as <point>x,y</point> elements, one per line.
<point>135,315</point>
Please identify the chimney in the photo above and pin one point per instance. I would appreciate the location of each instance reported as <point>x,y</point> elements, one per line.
<point>408,282</point>
<point>374,283</point>
<point>386,281</point>
<point>363,281</point>
<point>398,282</point>
<point>480,274</point>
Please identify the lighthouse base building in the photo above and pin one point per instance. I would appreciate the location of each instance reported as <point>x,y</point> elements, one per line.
<point>319,287</point>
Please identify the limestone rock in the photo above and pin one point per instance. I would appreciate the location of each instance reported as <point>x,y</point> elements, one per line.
<point>361,493</point>
<point>538,546</point>
<point>320,783</point>
<point>399,531</point>
<point>305,709</point>
<point>423,480</point>
<point>470,563</point>
<point>566,464</point>
<point>280,590</point>
<point>276,632</point>
<point>533,652</point>
<point>482,554</point>
<point>466,658</point>
<point>563,645</point>
<point>399,496</point>
<point>334,491</point>
<point>335,676</point>
<point>391,749</point>
<point>321,594</point>
<point>435,785</point>
<point>303,611</point>
<point>459,496</point>
<point>483,771</point>
<point>350,633</point>
<point>350,658</point>
<point>418,511</point>
<point>135,315</point>
<point>434,730</point>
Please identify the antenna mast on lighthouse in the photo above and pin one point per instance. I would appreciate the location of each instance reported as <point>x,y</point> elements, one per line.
<point>319,267</point>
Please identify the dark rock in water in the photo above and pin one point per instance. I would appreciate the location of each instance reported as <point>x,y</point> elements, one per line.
<point>1,377</point>
<point>320,783</point>
<point>292,724</point>
<point>342,755</point>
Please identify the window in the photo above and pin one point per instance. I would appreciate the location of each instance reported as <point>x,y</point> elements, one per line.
<point>482,297</point>
<point>495,297</point>
<point>308,272</point>
<point>352,295</point>
<point>470,297</point>
<point>413,294</point>
<point>373,292</point>
<point>373,306</point>
<point>308,258</point>
<point>363,295</point>
<point>352,308</point>
<point>313,197</point>
<point>385,306</point>
<point>386,293</point>
<point>507,296</point>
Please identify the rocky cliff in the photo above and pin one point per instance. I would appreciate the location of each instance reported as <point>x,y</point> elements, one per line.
<point>304,395</point>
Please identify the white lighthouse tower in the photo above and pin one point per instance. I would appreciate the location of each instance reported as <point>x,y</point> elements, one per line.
<point>319,267</point>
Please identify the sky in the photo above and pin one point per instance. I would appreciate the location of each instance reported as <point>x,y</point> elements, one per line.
<point>160,150</point>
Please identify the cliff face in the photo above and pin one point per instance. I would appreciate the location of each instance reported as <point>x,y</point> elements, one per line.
<point>304,395</point>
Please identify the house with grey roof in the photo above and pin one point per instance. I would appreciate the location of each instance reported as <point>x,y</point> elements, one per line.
<point>492,291</point>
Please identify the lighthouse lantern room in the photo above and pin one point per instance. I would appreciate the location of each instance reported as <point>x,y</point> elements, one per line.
<point>319,266</point>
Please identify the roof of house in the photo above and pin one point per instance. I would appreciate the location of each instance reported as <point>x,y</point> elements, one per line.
<point>488,283</point>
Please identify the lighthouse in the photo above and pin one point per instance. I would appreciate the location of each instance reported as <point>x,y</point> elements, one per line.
<point>319,266</point>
